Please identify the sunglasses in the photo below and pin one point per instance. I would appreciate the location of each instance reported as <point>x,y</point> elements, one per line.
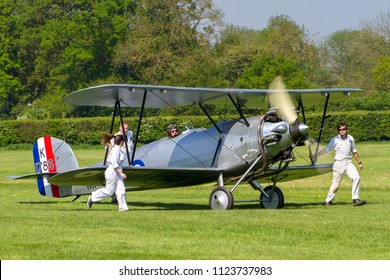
<point>342,129</point>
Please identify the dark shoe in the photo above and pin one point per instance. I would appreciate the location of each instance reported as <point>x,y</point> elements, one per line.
<point>358,202</point>
<point>114,201</point>
<point>89,202</point>
<point>327,203</point>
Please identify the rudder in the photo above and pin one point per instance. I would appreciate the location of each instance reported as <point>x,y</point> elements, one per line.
<point>52,155</point>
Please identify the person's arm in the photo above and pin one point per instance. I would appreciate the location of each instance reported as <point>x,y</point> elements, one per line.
<point>356,156</point>
<point>322,152</point>
<point>123,175</point>
<point>326,149</point>
<point>116,159</point>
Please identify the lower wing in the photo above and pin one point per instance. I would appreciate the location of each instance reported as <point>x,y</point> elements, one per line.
<point>140,178</point>
<point>297,172</point>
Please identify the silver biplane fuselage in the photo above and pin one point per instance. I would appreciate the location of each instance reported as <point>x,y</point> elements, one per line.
<point>233,148</point>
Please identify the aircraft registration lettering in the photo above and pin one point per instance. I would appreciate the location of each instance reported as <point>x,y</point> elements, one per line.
<point>44,156</point>
<point>44,166</point>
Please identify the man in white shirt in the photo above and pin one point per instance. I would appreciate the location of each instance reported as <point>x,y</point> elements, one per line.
<point>128,135</point>
<point>343,144</point>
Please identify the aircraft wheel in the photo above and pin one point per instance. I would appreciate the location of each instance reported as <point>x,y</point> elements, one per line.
<point>275,200</point>
<point>221,199</point>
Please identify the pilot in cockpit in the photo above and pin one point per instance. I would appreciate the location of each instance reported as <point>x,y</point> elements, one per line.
<point>172,131</point>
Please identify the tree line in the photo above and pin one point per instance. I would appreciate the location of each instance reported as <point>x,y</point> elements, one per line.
<point>50,48</point>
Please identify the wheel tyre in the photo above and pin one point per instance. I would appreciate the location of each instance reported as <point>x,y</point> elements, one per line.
<point>221,199</point>
<point>276,199</point>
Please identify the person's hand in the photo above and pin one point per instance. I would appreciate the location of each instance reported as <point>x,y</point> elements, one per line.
<point>123,176</point>
<point>360,166</point>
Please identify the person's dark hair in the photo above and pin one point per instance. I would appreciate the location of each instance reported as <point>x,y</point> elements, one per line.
<point>118,139</point>
<point>106,138</point>
<point>341,124</point>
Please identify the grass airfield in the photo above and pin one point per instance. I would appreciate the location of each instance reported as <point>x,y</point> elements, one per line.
<point>176,223</point>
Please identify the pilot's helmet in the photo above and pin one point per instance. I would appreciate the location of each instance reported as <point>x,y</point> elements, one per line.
<point>170,128</point>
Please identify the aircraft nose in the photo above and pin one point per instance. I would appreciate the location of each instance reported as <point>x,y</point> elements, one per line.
<point>303,128</point>
<point>298,130</point>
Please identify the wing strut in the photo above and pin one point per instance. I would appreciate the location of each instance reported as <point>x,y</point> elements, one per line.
<point>210,118</point>
<point>239,110</point>
<point>301,108</point>
<point>111,129</point>
<point>123,129</point>
<point>139,126</point>
<point>118,108</point>
<point>324,117</point>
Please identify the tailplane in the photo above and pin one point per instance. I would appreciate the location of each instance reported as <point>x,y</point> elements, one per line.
<point>51,156</point>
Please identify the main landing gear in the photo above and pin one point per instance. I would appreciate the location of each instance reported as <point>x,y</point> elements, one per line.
<point>221,199</point>
<point>271,197</point>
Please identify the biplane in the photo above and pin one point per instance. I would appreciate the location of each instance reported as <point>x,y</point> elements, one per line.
<point>245,149</point>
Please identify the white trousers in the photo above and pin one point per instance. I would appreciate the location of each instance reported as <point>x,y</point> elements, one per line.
<point>114,184</point>
<point>339,167</point>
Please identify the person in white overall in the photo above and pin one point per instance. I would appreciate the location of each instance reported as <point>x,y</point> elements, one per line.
<point>113,174</point>
<point>128,138</point>
<point>343,144</point>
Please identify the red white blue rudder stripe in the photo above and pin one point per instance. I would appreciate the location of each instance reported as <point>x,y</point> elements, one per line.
<point>52,155</point>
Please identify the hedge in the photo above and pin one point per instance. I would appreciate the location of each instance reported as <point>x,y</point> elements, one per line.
<point>364,126</point>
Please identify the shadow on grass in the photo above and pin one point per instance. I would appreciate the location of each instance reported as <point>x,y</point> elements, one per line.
<point>151,206</point>
<point>156,206</point>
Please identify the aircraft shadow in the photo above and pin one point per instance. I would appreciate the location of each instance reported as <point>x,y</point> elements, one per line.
<point>156,206</point>
<point>152,205</point>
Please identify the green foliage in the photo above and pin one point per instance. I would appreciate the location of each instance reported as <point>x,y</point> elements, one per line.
<point>165,40</point>
<point>9,133</point>
<point>266,68</point>
<point>350,55</point>
<point>52,48</point>
<point>381,73</point>
<point>60,47</point>
<point>364,126</point>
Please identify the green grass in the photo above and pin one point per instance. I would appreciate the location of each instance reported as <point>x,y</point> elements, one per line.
<point>177,224</point>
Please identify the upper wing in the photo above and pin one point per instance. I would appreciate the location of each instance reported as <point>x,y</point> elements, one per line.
<point>140,178</point>
<point>166,96</point>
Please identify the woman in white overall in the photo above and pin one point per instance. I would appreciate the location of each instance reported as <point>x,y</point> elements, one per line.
<point>113,174</point>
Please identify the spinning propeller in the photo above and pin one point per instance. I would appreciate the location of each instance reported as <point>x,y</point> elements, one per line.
<point>280,99</point>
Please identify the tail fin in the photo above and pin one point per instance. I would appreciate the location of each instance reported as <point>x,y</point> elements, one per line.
<point>52,155</point>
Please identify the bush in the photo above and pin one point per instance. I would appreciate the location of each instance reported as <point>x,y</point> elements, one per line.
<point>364,126</point>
